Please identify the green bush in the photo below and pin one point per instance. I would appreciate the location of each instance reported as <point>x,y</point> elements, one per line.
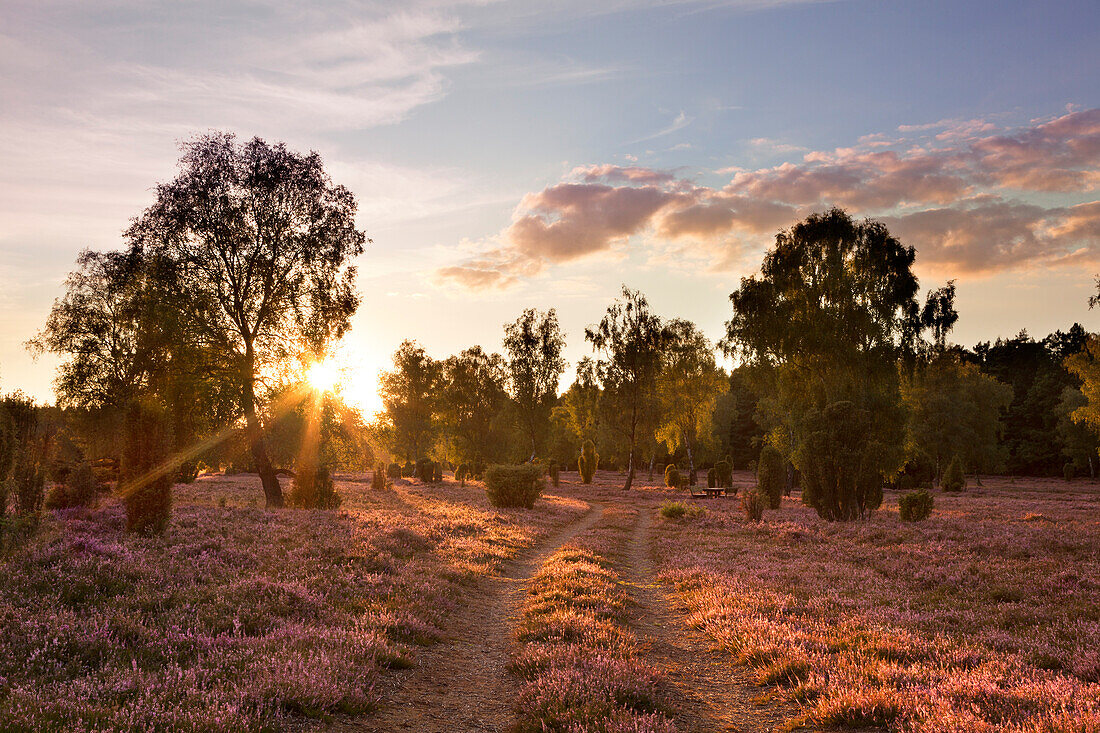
<point>771,475</point>
<point>514,486</point>
<point>723,473</point>
<point>953,478</point>
<point>555,474</point>
<point>752,504</point>
<point>437,474</point>
<point>462,473</point>
<point>678,510</point>
<point>915,506</point>
<point>588,461</point>
<point>906,482</point>
<point>408,470</point>
<point>393,470</point>
<point>1068,471</point>
<point>145,481</point>
<point>378,480</point>
<point>79,489</point>
<point>314,489</point>
<point>712,478</point>
<point>189,471</point>
<point>672,476</point>
<point>423,470</point>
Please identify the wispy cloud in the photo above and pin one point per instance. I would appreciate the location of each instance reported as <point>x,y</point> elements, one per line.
<point>678,123</point>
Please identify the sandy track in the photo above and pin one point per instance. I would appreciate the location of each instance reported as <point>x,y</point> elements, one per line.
<point>710,691</point>
<point>462,683</point>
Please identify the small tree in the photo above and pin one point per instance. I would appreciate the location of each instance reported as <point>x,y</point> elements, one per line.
<point>953,478</point>
<point>631,339</point>
<point>588,461</point>
<point>723,473</point>
<point>534,343</point>
<point>378,478</point>
<point>145,473</point>
<point>771,475</point>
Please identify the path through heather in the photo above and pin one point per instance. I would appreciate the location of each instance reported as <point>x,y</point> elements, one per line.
<point>462,684</point>
<point>710,691</point>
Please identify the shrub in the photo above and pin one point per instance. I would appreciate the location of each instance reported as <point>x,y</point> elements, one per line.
<point>906,482</point>
<point>672,476</point>
<point>27,484</point>
<point>555,474</point>
<point>723,473</point>
<point>144,480</point>
<point>79,489</point>
<point>393,470</point>
<point>424,470</point>
<point>953,478</point>
<point>189,471</point>
<point>514,486</point>
<point>712,478</point>
<point>462,473</point>
<point>752,503</point>
<point>915,506</point>
<point>1068,471</point>
<point>678,510</point>
<point>408,470</point>
<point>588,462</point>
<point>313,489</point>
<point>437,472</point>
<point>378,480</point>
<point>771,475</point>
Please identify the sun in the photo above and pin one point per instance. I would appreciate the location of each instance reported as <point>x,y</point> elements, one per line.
<point>323,376</point>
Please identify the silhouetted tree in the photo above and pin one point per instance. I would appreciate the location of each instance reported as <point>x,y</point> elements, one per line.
<point>260,239</point>
<point>471,401</point>
<point>688,384</point>
<point>828,319</point>
<point>409,395</point>
<point>534,343</point>
<point>630,340</point>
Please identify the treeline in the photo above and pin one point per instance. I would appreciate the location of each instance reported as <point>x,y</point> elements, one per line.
<point>188,348</point>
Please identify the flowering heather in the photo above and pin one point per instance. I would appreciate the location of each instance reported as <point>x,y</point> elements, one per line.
<point>237,618</point>
<point>985,617</point>
<point>579,661</point>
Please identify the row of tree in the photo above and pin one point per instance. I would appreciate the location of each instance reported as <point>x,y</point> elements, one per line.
<point>239,276</point>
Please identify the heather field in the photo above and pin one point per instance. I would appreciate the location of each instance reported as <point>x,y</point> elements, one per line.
<point>421,607</point>
<point>240,618</point>
<point>985,617</point>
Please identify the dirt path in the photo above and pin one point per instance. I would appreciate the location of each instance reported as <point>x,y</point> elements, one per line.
<point>461,683</point>
<point>711,692</point>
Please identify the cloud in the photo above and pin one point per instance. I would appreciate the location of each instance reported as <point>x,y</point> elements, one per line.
<point>970,201</point>
<point>678,123</point>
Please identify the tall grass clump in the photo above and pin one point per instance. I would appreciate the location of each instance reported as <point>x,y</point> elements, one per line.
<point>953,478</point>
<point>752,504</point>
<point>514,486</point>
<point>588,461</point>
<point>915,506</point>
<point>771,475</point>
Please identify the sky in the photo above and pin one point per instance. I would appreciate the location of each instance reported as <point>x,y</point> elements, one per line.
<point>542,154</point>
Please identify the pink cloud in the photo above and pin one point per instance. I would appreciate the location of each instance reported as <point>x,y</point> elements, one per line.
<point>957,200</point>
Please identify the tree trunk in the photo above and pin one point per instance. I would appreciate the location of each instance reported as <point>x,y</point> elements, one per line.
<point>1092,468</point>
<point>653,458</point>
<point>273,492</point>
<point>629,470</point>
<point>691,460</point>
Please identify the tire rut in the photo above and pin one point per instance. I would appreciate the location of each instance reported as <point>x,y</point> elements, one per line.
<point>710,691</point>
<point>462,683</point>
